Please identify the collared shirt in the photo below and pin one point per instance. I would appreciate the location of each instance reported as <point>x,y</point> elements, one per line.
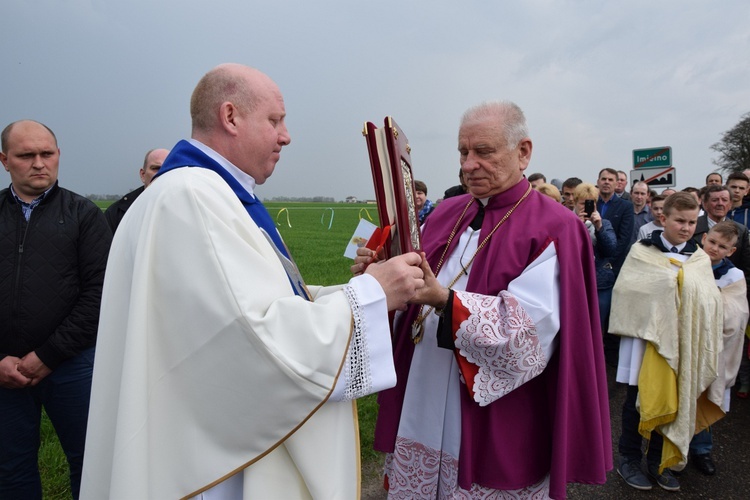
<point>602,206</point>
<point>643,216</point>
<point>641,219</point>
<point>670,246</point>
<point>26,208</point>
<point>712,223</point>
<point>244,179</point>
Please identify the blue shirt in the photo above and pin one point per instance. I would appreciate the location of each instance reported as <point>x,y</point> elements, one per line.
<point>26,208</point>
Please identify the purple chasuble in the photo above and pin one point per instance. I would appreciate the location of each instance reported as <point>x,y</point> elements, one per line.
<point>557,423</point>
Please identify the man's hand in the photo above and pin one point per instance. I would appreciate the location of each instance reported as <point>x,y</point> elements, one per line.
<point>32,367</point>
<point>400,277</point>
<point>432,293</point>
<point>10,377</point>
<point>364,258</point>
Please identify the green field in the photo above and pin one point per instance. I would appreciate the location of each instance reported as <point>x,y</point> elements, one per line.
<point>317,235</point>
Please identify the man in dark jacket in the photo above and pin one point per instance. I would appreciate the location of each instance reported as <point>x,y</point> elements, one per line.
<point>738,182</point>
<point>151,165</point>
<point>616,210</point>
<point>619,212</point>
<point>53,252</point>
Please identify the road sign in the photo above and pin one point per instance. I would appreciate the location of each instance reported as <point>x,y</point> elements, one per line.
<point>659,177</point>
<point>652,157</point>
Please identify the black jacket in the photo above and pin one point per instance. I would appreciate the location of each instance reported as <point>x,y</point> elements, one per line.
<point>51,275</point>
<point>620,214</point>
<point>116,210</point>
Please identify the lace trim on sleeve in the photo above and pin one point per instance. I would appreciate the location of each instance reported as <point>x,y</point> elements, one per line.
<point>500,338</point>
<point>357,373</point>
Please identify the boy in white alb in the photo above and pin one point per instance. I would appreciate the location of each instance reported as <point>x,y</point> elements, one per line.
<point>667,309</point>
<point>719,243</point>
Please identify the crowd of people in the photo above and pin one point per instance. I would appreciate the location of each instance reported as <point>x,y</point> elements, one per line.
<point>636,236</point>
<point>186,356</point>
<point>652,232</point>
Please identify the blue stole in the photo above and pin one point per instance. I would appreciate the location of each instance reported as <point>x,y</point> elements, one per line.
<point>185,154</point>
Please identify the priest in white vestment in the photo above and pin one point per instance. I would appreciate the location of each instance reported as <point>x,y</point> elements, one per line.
<point>218,373</point>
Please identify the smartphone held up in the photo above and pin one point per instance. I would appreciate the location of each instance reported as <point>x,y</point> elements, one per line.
<point>588,207</point>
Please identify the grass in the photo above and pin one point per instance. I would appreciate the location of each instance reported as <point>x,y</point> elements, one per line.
<point>53,465</point>
<point>317,235</point>
<point>317,243</point>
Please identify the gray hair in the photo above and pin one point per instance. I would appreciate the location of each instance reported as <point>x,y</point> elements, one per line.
<point>507,114</point>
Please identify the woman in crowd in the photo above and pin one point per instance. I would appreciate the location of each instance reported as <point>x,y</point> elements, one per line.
<point>605,244</point>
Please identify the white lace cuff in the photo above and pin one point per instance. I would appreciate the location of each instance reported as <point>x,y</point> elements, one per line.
<point>499,338</point>
<point>369,362</point>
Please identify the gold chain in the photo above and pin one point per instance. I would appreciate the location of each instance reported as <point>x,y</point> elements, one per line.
<point>417,328</point>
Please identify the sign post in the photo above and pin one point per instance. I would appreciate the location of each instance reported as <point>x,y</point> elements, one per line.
<point>654,167</point>
<point>659,177</point>
<point>652,157</point>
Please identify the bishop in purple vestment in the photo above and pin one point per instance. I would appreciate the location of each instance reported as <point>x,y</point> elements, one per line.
<point>501,377</point>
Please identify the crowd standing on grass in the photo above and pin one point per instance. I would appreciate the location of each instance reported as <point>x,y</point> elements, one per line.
<point>498,339</point>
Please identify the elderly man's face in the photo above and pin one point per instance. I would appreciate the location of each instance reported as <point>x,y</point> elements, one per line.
<point>489,166</point>
<point>32,159</point>
<point>717,204</point>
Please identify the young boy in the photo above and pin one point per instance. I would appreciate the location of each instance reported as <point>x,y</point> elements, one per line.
<point>719,243</point>
<point>667,308</point>
<point>657,207</point>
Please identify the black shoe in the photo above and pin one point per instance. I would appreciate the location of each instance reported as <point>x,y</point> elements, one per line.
<point>704,463</point>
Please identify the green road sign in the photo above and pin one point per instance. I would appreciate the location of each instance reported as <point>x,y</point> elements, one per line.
<point>652,157</point>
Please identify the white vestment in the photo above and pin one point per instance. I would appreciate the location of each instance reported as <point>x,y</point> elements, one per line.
<point>679,316</point>
<point>734,296</point>
<point>430,427</point>
<point>208,365</point>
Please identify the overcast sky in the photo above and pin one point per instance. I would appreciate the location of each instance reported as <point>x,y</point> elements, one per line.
<point>595,79</point>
